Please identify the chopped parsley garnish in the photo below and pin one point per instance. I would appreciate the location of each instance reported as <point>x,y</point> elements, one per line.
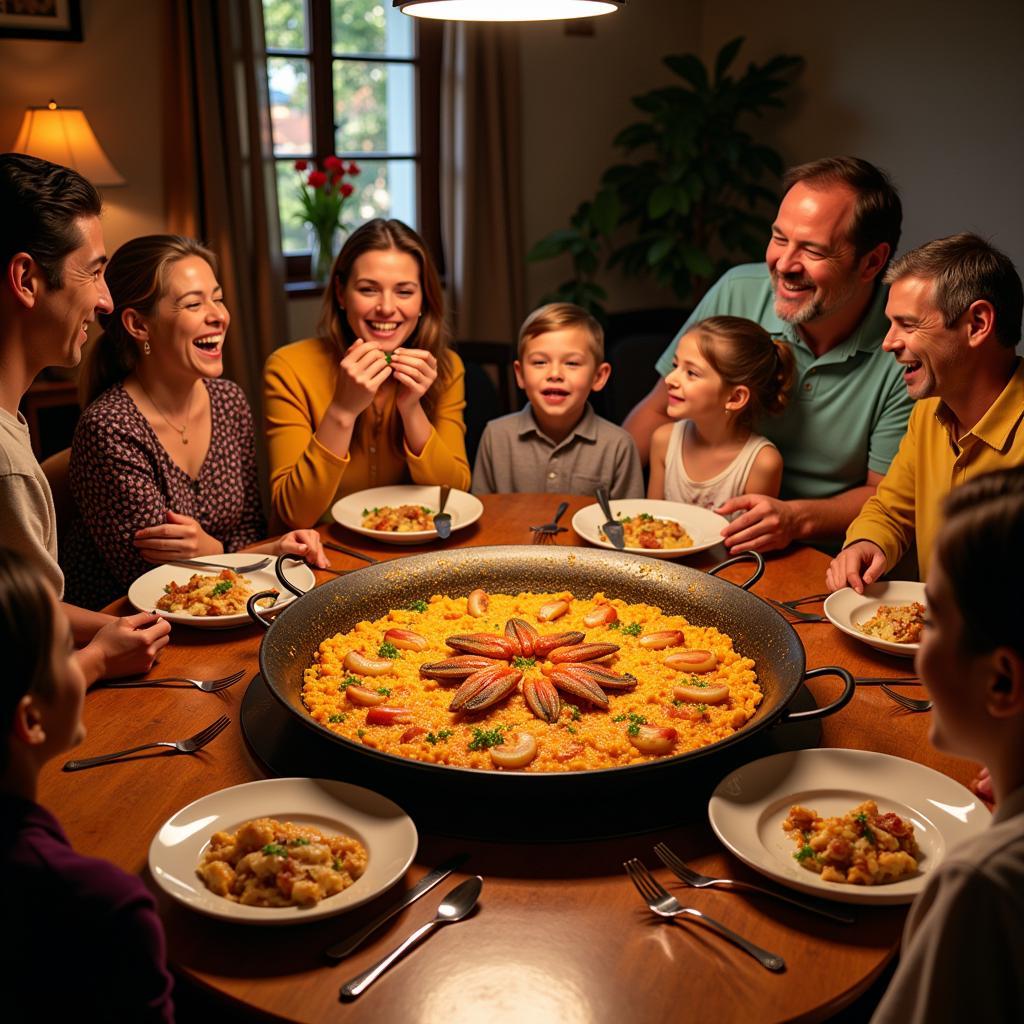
<point>336,719</point>
<point>221,588</point>
<point>635,721</point>
<point>702,708</point>
<point>439,737</point>
<point>617,624</point>
<point>388,650</point>
<point>862,820</point>
<point>336,864</point>
<point>383,691</point>
<point>274,850</point>
<point>645,518</point>
<point>569,728</point>
<point>484,738</point>
<point>387,358</point>
<point>367,511</point>
<point>347,682</point>
<point>700,684</point>
<point>426,511</point>
<point>360,733</point>
<point>633,629</point>
<point>299,842</point>
<point>418,605</point>
<point>524,662</point>
<point>803,853</point>
<point>574,712</point>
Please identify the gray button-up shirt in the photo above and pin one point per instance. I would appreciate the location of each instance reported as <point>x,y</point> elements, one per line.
<point>516,455</point>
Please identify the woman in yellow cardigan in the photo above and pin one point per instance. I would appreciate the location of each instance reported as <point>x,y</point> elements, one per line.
<point>360,406</point>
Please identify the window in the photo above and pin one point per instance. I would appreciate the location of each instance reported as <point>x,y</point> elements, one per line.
<point>349,78</point>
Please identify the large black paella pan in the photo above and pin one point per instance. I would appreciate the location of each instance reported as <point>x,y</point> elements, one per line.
<point>756,628</point>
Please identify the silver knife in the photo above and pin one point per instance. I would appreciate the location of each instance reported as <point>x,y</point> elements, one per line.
<point>342,949</point>
<point>612,530</point>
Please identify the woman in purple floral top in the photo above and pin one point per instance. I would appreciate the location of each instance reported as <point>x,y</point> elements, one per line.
<point>163,464</point>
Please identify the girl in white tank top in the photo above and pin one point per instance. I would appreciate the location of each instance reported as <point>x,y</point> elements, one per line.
<point>726,372</point>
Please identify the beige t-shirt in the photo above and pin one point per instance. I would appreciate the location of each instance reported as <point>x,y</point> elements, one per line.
<point>964,937</point>
<point>28,520</point>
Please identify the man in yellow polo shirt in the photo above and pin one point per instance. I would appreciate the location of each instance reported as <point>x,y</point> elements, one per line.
<point>955,311</point>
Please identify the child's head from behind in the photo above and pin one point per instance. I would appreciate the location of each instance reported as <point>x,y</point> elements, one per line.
<point>44,688</point>
<point>726,366</point>
<point>972,652</point>
<point>561,361</point>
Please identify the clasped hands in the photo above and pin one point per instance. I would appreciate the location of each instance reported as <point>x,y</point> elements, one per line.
<point>366,366</point>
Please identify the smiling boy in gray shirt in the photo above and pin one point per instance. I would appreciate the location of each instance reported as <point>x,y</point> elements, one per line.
<point>557,444</point>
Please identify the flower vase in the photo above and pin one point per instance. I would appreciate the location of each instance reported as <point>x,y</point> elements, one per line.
<point>324,244</point>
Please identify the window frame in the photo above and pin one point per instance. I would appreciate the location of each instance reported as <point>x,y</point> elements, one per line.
<point>426,64</point>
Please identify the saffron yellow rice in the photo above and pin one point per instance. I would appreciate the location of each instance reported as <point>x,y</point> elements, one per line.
<point>584,737</point>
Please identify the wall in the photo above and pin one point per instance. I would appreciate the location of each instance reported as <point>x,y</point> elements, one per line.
<point>931,90</point>
<point>114,76</point>
<point>576,98</point>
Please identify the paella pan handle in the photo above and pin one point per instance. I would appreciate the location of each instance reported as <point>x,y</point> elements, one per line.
<point>849,687</point>
<point>252,606</point>
<point>747,556</point>
<point>285,582</point>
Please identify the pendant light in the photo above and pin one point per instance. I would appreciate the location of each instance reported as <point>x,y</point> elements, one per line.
<point>507,10</point>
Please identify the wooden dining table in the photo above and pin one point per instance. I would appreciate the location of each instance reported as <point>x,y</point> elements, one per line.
<point>560,933</point>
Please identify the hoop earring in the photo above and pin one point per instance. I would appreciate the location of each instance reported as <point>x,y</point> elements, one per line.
<point>145,348</point>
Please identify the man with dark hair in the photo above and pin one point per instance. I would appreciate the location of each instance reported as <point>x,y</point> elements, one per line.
<point>955,305</point>
<point>820,290</point>
<point>51,247</point>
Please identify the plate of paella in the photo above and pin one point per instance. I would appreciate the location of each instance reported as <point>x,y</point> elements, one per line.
<point>659,529</point>
<point>404,513</point>
<point>888,616</point>
<point>214,598</point>
<point>853,826</point>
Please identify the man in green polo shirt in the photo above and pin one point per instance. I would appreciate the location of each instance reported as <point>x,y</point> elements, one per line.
<point>820,289</point>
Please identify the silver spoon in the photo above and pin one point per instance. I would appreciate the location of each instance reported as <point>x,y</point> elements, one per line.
<point>443,521</point>
<point>454,907</point>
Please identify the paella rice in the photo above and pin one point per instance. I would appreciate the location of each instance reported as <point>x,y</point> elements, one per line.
<point>862,847</point>
<point>369,685</point>
<point>647,531</point>
<point>222,594</point>
<point>897,623</point>
<point>398,518</point>
<point>269,863</point>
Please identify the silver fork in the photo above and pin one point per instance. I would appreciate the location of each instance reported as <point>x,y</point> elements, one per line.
<point>657,897</point>
<point>206,685</point>
<point>188,746</point>
<point>789,608</point>
<point>698,881</point>
<point>192,563</point>
<point>546,534</point>
<point>910,703</point>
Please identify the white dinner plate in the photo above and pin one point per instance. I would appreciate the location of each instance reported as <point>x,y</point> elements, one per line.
<point>465,509</point>
<point>749,805</point>
<point>846,608</point>
<point>149,588</point>
<point>380,825</point>
<point>703,525</point>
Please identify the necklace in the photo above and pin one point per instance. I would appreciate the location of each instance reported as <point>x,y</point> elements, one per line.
<point>188,412</point>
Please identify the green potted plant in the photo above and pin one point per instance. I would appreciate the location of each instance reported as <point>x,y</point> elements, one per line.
<point>693,200</point>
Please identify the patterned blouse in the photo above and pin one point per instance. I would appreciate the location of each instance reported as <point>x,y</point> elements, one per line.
<point>123,479</point>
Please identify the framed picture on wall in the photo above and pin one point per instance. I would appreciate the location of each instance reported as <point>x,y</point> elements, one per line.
<point>41,19</point>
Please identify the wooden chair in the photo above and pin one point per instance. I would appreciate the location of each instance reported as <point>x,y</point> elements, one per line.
<point>57,470</point>
<point>490,386</point>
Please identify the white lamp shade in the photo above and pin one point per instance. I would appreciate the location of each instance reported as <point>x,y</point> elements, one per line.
<point>63,136</point>
<point>507,10</point>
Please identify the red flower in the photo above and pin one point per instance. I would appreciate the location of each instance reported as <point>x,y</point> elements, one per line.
<point>332,163</point>
<point>316,179</point>
<point>346,189</point>
<point>301,165</point>
<point>353,168</point>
